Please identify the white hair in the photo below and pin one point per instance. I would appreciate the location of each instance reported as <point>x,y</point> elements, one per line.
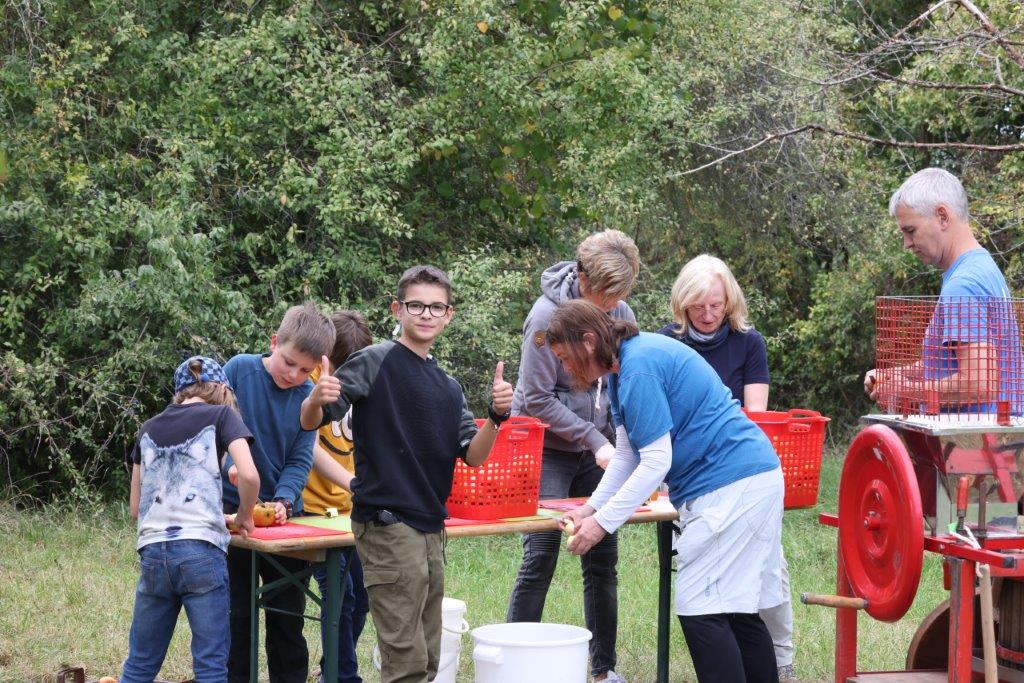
<point>928,188</point>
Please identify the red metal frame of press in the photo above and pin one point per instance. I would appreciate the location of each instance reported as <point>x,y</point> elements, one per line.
<point>960,564</point>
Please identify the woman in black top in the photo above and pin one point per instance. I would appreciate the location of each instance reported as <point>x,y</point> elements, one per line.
<point>710,315</point>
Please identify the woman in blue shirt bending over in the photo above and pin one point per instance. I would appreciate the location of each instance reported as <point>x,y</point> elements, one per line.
<point>710,314</point>
<point>676,422</point>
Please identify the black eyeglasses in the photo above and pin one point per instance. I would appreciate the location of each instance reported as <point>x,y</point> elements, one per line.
<point>417,307</point>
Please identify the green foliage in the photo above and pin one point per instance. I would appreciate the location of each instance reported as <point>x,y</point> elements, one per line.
<point>174,175</point>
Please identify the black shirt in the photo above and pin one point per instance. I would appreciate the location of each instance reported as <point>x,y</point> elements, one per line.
<point>409,423</point>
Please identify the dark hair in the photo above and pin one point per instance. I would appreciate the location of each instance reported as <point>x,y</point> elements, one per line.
<point>213,393</point>
<point>307,329</point>
<point>351,334</point>
<point>424,275</point>
<point>572,319</point>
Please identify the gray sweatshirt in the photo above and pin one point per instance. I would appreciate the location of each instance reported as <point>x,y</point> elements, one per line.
<point>576,420</point>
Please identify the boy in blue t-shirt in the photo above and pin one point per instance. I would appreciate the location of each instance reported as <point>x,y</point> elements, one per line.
<point>270,390</point>
<point>176,496</point>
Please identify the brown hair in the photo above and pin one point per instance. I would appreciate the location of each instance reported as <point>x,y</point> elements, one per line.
<point>307,329</point>
<point>213,393</point>
<point>611,262</point>
<point>351,334</point>
<point>424,275</point>
<point>572,319</point>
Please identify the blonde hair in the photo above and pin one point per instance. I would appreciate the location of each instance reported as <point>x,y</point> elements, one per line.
<point>611,262</point>
<point>695,281</point>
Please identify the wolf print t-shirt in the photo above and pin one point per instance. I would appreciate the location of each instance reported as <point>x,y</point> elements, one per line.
<point>179,452</point>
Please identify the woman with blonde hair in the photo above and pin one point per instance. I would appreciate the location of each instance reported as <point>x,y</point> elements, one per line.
<point>710,314</point>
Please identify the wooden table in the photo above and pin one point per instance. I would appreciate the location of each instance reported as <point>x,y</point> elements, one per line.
<point>327,550</point>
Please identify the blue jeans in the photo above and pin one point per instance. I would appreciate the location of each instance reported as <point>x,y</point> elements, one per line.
<point>188,573</point>
<point>568,475</point>
<point>354,608</point>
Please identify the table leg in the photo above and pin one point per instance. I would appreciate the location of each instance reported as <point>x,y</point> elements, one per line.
<point>334,597</point>
<point>254,618</point>
<point>664,531</point>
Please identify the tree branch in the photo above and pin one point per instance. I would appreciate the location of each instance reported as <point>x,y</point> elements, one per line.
<point>871,73</point>
<point>903,144</point>
<point>935,85</point>
<point>724,157</point>
<point>995,32</point>
<point>899,34</point>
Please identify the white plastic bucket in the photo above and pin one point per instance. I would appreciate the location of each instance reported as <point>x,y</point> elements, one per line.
<point>530,651</point>
<point>453,626</point>
<point>453,614</point>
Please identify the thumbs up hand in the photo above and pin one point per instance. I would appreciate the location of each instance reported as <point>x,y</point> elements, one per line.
<point>501,391</point>
<point>328,387</point>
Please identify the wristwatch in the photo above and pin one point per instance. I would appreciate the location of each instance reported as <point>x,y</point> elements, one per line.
<point>495,417</point>
<point>287,506</point>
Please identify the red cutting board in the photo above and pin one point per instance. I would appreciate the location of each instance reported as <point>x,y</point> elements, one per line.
<point>291,530</point>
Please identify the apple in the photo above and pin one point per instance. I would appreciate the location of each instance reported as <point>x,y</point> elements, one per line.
<point>264,514</point>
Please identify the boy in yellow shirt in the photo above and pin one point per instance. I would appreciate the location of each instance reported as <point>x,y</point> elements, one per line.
<point>328,487</point>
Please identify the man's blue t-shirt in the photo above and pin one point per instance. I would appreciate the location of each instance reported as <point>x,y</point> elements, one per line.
<point>974,307</point>
<point>281,450</point>
<point>665,387</point>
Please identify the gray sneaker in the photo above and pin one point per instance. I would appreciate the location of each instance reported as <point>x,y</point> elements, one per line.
<point>612,678</point>
<point>787,674</point>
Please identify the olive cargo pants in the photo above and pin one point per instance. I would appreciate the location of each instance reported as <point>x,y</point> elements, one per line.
<point>403,571</point>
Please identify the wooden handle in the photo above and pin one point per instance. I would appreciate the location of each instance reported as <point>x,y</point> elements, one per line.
<point>836,601</point>
<point>988,631</point>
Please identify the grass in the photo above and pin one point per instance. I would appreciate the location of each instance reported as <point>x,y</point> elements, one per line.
<point>67,581</point>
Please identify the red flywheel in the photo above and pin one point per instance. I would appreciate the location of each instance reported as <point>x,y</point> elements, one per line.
<point>881,527</point>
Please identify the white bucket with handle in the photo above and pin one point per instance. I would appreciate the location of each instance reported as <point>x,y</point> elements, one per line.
<point>453,626</point>
<point>531,651</point>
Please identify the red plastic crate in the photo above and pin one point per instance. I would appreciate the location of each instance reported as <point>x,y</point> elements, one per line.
<point>798,437</point>
<point>920,373</point>
<point>508,483</point>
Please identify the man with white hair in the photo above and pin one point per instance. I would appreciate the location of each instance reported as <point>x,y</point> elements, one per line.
<point>930,208</point>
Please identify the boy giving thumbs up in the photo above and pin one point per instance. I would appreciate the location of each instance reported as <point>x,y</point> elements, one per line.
<point>410,421</point>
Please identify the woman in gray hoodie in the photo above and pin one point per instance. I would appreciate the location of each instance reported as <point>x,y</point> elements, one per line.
<point>578,440</point>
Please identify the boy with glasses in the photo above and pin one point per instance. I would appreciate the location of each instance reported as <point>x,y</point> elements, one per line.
<point>411,421</point>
